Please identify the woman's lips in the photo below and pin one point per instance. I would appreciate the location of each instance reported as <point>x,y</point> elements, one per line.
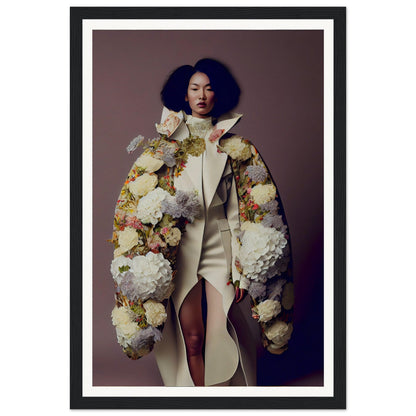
<point>201,105</point>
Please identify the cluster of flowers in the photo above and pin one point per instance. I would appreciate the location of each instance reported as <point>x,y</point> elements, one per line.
<point>148,224</point>
<point>150,218</point>
<point>262,250</point>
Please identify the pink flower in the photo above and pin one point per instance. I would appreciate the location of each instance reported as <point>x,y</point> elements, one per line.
<point>216,134</point>
<point>134,222</point>
<point>165,230</point>
<point>154,246</point>
<point>249,190</point>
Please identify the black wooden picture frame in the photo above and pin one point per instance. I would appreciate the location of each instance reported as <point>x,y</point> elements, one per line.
<point>338,399</point>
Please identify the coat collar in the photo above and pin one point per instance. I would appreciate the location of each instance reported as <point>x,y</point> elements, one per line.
<point>173,125</point>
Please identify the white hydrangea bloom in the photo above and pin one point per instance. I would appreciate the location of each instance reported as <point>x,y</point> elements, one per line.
<point>260,248</point>
<point>118,262</point>
<point>149,207</point>
<point>149,277</point>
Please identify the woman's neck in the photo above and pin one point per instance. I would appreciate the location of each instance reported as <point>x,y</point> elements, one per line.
<point>199,126</point>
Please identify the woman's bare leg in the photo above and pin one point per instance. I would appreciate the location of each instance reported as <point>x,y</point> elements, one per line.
<point>215,314</point>
<point>192,324</point>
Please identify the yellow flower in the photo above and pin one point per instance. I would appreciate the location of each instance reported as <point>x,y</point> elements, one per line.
<point>127,239</point>
<point>262,194</point>
<point>195,147</point>
<point>279,333</point>
<point>155,313</point>
<point>122,319</point>
<point>173,237</point>
<point>149,163</point>
<point>268,310</point>
<point>143,184</point>
<point>236,148</point>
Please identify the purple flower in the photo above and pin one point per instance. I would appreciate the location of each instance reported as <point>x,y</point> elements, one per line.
<point>189,203</point>
<point>270,206</point>
<point>170,207</point>
<point>283,262</point>
<point>135,143</point>
<point>256,173</point>
<point>129,287</point>
<point>184,204</point>
<point>274,221</point>
<point>145,337</point>
<point>257,290</point>
<point>168,155</point>
<point>274,290</point>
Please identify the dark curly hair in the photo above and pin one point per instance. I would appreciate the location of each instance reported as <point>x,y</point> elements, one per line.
<point>227,91</point>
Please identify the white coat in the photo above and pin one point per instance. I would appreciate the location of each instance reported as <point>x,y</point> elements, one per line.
<point>229,351</point>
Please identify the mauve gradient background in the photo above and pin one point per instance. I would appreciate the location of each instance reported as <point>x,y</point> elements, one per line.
<point>281,77</point>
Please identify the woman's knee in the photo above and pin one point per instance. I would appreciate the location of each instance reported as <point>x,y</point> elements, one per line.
<point>194,342</point>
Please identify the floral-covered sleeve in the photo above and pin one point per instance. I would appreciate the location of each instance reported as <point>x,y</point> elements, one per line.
<point>148,223</point>
<point>262,252</point>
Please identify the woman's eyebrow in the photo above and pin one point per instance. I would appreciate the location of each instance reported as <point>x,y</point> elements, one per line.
<point>195,83</point>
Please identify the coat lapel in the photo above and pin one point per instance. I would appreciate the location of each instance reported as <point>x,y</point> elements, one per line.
<point>214,164</point>
<point>215,161</point>
<point>193,175</point>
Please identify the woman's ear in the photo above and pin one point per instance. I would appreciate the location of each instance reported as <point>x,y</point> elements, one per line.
<point>186,97</point>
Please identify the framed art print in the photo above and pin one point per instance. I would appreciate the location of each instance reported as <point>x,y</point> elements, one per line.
<point>290,65</point>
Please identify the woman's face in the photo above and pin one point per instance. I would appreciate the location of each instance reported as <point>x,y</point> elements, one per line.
<point>200,95</point>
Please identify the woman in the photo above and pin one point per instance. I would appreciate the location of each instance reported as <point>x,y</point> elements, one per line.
<point>209,190</point>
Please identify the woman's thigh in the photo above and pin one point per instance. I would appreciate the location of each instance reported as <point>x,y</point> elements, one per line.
<point>216,319</point>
